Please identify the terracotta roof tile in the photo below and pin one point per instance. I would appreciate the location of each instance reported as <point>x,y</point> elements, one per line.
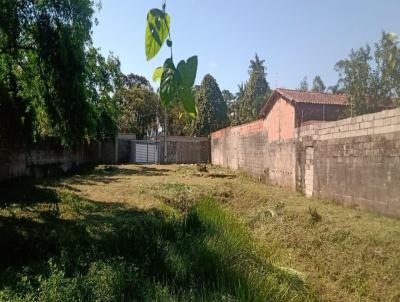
<point>313,97</point>
<point>308,97</point>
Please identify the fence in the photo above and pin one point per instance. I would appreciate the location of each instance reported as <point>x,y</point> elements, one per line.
<point>179,150</point>
<point>46,159</point>
<point>50,159</point>
<point>355,161</point>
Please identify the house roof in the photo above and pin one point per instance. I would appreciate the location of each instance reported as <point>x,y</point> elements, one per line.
<point>307,97</point>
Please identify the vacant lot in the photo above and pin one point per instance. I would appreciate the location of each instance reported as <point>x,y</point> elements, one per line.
<point>162,233</point>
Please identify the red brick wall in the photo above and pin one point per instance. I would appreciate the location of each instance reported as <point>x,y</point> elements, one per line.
<point>247,148</point>
<point>279,122</point>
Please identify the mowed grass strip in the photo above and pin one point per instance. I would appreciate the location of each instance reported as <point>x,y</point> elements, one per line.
<point>59,246</point>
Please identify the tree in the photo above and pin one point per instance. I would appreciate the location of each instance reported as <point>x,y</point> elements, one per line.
<point>228,97</point>
<point>231,102</point>
<point>371,81</point>
<point>235,106</point>
<point>303,84</point>
<point>103,79</point>
<point>46,64</point>
<point>212,108</point>
<point>334,89</point>
<point>318,85</point>
<point>179,121</point>
<point>135,80</point>
<point>139,106</point>
<point>256,91</point>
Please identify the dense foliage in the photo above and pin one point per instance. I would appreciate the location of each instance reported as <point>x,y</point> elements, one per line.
<point>103,80</point>
<point>179,122</point>
<point>139,106</point>
<point>52,82</point>
<point>252,95</point>
<point>371,80</point>
<point>212,108</point>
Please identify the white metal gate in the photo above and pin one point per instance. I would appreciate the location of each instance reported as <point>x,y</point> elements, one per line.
<point>145,152</point>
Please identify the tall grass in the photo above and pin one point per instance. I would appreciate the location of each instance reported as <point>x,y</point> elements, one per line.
<point>90,251</point>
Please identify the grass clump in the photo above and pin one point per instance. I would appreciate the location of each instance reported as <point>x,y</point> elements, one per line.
<point>314,215</point>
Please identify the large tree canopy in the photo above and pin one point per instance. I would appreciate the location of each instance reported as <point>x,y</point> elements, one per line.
<point>371,80</point>
<point>52,82</point>
<point>139,106</point>
<point>212,108</point>
<point>256,92</point>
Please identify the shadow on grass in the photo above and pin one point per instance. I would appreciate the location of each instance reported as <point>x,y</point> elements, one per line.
<point>26,193</point>
<point>109,174</point>
<point>88,250</point>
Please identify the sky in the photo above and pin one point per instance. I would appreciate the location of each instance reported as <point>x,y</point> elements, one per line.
<point>296,38</point>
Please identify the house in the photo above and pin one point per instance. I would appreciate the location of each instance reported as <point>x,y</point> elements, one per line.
<point>288,109</point>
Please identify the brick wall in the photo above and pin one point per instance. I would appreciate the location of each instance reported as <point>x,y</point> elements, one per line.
<point>246,148</point>
<point>280,121</point>
<point>355,161</point>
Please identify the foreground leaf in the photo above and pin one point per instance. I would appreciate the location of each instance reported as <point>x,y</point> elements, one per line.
<point>186,96</point>
<point>157,73</point>
<point>157,29</point>
<point>188,70</point>
<point>170,82</point>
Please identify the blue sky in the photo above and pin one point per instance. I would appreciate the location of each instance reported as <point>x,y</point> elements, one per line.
<point>297,38</point>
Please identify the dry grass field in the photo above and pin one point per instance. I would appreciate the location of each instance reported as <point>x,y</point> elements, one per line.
<point>301,249</point>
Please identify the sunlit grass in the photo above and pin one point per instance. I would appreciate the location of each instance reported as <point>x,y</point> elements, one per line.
<point>189,235</point>
<point>91,251</point>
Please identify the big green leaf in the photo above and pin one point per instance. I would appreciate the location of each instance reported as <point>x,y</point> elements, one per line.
<point>157,29</point>
<point>187,98</point>
<point>170,82</point>
<point>187,71</point>
<point>158,73</point>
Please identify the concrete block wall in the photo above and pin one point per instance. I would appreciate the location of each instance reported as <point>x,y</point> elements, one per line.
<point>46,159</point>
<point>185,150</point>
<point>356,161</point>
<point>180,150</point>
